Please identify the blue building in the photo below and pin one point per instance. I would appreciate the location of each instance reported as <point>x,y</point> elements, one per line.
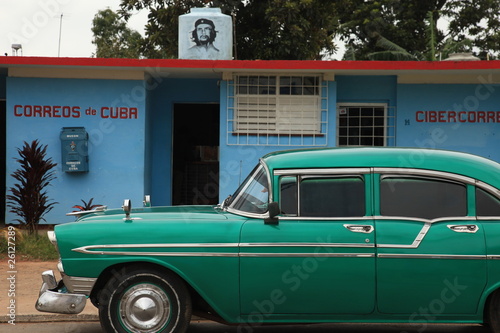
<point>188,131</point>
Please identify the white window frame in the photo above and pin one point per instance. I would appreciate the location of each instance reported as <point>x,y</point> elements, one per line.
<point>340,109</point>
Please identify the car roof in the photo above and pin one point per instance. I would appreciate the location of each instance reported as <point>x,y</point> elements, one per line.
<point>465,164</point>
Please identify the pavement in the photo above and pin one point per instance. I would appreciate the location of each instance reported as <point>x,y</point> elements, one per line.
<point>20,282</point>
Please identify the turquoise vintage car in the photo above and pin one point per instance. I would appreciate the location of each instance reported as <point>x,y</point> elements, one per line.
<point>319,235</point>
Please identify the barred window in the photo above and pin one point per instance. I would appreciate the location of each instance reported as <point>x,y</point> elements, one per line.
<point>279,105</point>
<point>365,125</point>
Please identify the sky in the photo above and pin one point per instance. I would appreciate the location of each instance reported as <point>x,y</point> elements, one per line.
<point>36,25</point>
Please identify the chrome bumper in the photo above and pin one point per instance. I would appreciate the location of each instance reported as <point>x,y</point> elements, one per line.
<point>54,297</point>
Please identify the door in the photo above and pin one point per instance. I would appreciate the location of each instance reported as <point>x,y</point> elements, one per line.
<point>319,258</point>
<point>195,154</point>
<point>431,256</point>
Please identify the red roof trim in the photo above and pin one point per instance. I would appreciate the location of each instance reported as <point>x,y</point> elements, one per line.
<point>249,64</point>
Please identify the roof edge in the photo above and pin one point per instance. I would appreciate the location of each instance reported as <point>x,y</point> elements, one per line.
<point>320,65</point>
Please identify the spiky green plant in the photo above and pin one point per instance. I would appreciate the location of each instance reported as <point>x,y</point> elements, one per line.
<point>28,198</point>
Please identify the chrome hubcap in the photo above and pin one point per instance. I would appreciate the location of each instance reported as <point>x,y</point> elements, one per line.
<point>144,308</point>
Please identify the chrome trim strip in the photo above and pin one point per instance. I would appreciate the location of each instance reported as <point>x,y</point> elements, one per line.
<point>493,256</point>
<point>488,188</point>
<point>269,179</point>
<point>91,249</point>
<point>305,218</point>
<point>158,254</point>
<point>427,225</point>
<point>234,255</point>
<point>247,214</point>
<point>415,243</point>
<point>417,219</point>
<point>307,245</point>
<point>82,282</point>
<point>306,255</point>
<point>424,172</point>
<point>298,180</point>
<point>323,171</point>
<point>488,218</point>
<point>162,245</point>
<point>381,217</point>
<point>430,256</point>
<point>101,249</point>
<point>224,245</point>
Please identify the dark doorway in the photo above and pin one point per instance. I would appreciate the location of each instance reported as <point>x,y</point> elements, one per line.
<point>3,140</point>
<point>196,154</point>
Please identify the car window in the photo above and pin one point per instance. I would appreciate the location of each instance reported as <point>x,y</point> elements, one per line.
<point>253,194</point>
<point>486,204</point>
<point>323,196</point>
<point>422,198</point>
<point>288,196</point>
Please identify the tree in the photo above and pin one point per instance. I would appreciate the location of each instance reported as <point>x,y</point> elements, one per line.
<point>289,30</point>
<point>28,199</point>
<point>434,48</point>
<point>478,21</point>
<point>112,37</point>
<point>369,27</point>
<point>411,26</point>
<point>280,29</point>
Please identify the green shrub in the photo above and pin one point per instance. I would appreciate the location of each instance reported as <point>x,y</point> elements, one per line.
<point>37,247</point>
<point>30,246</point>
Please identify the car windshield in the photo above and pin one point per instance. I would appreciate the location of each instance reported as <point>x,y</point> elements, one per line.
<point>252,196</point>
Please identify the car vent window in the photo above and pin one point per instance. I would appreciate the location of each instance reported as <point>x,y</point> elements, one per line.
<point>332,197</point>
<point>422,198</point>
<point>253,195</point>
<point>486,204</point>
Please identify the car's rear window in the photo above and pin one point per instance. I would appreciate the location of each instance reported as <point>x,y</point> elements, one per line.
<point>422,198</point>
<point>486,204</point>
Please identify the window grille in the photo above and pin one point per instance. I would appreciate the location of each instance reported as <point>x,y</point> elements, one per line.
<point>277,110</point>
<point>365,125</point>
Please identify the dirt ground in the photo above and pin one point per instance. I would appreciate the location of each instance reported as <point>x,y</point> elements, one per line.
<point>20,282</point>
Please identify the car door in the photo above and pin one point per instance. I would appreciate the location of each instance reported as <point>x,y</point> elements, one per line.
<point>431,256</point>
<point>319,257</point>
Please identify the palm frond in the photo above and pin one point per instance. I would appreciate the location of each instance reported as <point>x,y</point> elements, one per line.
<point>391,55</point>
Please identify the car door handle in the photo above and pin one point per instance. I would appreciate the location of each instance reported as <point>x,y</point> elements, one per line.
<point>366,229</point>
<point>468,228</point>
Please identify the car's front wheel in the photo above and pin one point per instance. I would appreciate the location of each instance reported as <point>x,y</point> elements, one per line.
<point>144,301</point>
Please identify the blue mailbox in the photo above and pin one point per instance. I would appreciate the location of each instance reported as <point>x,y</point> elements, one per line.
<point>74,148</point>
